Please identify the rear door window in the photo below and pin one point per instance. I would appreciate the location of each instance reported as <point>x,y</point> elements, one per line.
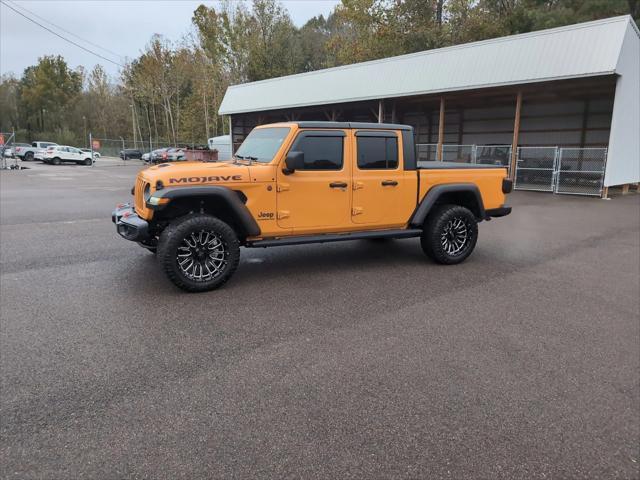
<point>377,153</point>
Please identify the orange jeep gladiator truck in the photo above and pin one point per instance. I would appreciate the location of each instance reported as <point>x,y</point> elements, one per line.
<point>307,182</point>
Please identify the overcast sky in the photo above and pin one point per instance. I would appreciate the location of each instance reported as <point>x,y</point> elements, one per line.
<point>123,27</point>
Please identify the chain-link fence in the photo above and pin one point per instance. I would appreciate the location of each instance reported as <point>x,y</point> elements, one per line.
<point>483,154</point>
<point>458,153</point>
<point>577,171</point>
<point>581,171</point>
<point>8,160</point>
<point>427,152</point>
<point>536,168</point>
<point>493,155</point>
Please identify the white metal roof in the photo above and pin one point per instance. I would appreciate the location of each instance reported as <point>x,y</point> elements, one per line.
<point>581,50</point>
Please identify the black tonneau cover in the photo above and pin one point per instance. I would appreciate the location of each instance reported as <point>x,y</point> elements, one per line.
<point>433,165</point>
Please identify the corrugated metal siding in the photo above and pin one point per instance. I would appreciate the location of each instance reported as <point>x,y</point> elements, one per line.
<point>623,163</point>
<point>586,49</point>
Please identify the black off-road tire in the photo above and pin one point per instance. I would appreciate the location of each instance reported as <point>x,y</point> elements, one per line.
<point>56,161</point>
<point>28,157</point>
<point>441,244</point>
<point>172,239</point>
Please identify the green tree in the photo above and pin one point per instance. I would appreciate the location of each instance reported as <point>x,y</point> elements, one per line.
<point>250,45</point>
<point>520,16</point>
<point>314,37</point>
<point>9,118</point>
<point>46,91</point>
<point>223,37</point>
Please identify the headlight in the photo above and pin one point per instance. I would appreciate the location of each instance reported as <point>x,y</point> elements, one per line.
<point>158,201</point>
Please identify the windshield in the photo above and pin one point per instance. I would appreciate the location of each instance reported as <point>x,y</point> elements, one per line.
<point>262,144</point>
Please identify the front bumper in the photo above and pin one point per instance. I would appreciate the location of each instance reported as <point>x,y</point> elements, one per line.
<point>129,225</point>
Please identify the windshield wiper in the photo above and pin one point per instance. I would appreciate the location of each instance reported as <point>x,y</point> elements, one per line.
<point>251,159</point>
<point>236,157</point>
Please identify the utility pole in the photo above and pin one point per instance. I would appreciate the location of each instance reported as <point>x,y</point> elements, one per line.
<point>133,124</point>
<point>124,155</point>
<point>91,146</point>
<point>84,122</point>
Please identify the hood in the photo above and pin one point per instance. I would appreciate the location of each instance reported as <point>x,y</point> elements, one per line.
<point>196,173</point>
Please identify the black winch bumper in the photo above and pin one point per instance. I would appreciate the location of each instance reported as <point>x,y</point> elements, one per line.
<point>129,225</point>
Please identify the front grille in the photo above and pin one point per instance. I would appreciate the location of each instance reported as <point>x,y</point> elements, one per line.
<point>139,197</point>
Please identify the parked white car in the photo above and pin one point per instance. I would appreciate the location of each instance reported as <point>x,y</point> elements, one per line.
<point>63,153</point>
<point>96,155</point>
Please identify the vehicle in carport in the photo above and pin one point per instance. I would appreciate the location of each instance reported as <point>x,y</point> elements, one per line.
<point>307,182</point>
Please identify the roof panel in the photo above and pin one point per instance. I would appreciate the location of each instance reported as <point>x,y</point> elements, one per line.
<point>585,49</point>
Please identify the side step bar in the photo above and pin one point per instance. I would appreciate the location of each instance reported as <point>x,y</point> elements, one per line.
<point>339,237</point>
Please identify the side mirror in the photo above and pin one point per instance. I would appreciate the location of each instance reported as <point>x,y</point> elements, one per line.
<point>293,162</point>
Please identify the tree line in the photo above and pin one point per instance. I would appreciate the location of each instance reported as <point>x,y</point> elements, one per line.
<point>171,92</point>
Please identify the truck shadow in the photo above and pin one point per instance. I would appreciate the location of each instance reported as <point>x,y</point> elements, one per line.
<point>258,265</point>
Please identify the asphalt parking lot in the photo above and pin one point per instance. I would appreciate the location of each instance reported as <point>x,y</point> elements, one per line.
<point>351,360</point>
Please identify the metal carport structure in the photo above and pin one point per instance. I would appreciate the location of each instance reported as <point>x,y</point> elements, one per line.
<point>576,86</point>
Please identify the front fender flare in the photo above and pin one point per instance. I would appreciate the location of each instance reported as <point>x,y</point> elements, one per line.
<point>227,196</point>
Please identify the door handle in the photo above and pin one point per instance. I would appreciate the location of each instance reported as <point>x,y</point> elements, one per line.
<point>389,183</point>
<point>338,185</point>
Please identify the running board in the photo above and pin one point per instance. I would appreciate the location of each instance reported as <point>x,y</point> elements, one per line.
<point>339,237</point>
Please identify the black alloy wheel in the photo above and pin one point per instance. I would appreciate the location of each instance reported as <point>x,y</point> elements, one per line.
<point>199,253</point>
<point>450,234</point>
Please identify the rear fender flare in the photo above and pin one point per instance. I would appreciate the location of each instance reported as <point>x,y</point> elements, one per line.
<point>436,192</point>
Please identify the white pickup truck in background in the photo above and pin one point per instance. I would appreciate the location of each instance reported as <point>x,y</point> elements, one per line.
<point>35,151</point>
